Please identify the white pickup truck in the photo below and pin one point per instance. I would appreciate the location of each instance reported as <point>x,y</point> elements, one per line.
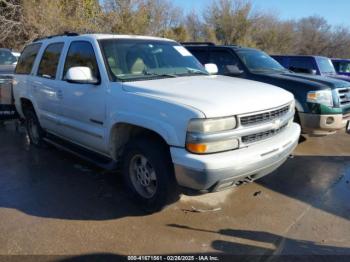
<point>148,105</point>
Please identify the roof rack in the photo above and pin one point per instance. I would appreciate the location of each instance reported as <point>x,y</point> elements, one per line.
<point>198,43</point>
<point>66,33</point>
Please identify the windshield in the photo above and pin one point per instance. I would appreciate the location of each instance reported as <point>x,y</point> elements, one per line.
<point>6,58</point>
<point>325,65</point>
<point>258,61</point>
<point>130,60</point>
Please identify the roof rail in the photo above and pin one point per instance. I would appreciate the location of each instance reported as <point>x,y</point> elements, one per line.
<point>198,43</point>
<point>66,33</point>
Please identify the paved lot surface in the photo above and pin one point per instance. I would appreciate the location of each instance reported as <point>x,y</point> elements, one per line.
<point>53,203</point>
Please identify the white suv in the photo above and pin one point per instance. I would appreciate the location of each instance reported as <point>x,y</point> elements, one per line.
<point>147,104</point>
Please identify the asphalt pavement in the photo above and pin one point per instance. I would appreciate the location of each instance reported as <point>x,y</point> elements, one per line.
<point>52,203</point>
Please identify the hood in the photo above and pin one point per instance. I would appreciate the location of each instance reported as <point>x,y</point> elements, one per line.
<point>215,96</point>
<point>319,82</point>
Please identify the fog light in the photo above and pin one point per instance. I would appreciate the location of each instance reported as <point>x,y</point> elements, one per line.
<point>329,120</point>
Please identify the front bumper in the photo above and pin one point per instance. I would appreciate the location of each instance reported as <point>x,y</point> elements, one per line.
<point>216,172</point>
<point>317,124</point>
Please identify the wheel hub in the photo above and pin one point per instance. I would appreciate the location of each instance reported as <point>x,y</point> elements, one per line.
<point>143,176</point>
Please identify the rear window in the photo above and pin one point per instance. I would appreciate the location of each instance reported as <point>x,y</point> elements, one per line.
<point>49,61</point>
<point>27,58</point>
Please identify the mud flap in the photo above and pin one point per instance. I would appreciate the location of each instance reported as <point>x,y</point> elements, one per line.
<point>7,107</point>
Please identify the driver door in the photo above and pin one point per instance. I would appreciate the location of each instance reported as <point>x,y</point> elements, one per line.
<point>82,107</point>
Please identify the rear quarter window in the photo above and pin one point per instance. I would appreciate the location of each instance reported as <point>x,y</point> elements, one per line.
<point>27,58</point>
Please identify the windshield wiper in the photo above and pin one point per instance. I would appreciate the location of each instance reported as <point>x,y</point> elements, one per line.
<point>148,73</point>
<point>195,71</point>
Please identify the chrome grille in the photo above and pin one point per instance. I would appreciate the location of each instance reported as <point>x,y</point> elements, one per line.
<point>263,135</point>
<point>344,96</point>
<point>263,117</point>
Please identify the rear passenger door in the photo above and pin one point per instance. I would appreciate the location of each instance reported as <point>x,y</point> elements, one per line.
<point>45,86</point>
<point>82,107</point>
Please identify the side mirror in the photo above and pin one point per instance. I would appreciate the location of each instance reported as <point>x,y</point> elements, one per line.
<point>313,72</point>
<point>234,70</point>
<point>80,75</point>
<point>348,128</point>
<point>212,69</point>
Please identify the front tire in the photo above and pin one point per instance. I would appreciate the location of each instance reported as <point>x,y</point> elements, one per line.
<point>35,132</point>
<point>149,174</point>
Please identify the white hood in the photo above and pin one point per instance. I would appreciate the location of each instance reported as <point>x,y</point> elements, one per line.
<point>215,96</point>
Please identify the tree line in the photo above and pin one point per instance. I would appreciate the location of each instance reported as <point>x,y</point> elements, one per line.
<point>222,22</point>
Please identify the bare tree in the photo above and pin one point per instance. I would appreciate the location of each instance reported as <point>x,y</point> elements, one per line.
<point>230,20</point>
<point>195,27</point>
<point>313,35</point>
<point>11,26</point>
<point>224,21</point>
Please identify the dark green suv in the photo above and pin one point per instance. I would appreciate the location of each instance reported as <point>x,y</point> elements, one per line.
<point>322,103</point>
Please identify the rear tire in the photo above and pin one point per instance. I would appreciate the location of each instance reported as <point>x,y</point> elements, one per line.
<point>35,132</point>
<point>149,174</point>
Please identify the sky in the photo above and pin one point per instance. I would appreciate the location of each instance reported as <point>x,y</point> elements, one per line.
<point>336,12</point>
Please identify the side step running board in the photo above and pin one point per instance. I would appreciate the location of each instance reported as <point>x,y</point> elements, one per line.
<point>83,153</point>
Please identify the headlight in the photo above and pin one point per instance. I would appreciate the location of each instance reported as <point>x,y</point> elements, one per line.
<point>200,135</point>
<point>212,125</point>
<point>323,97</point>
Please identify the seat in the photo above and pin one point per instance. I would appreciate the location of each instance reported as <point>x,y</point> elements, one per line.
<point>113,65</point>
<point>135,63</point>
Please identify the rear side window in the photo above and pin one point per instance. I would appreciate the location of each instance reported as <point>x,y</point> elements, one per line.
<point>27,58</point>
<point>81,53</point>
<point>301,62</point>
<point>342,67</point>
<point>49,61</point>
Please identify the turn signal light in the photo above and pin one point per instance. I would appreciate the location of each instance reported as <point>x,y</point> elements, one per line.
<point>197,148</point>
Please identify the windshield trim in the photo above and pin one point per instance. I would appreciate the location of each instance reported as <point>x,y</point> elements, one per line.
<point>113,78</point>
